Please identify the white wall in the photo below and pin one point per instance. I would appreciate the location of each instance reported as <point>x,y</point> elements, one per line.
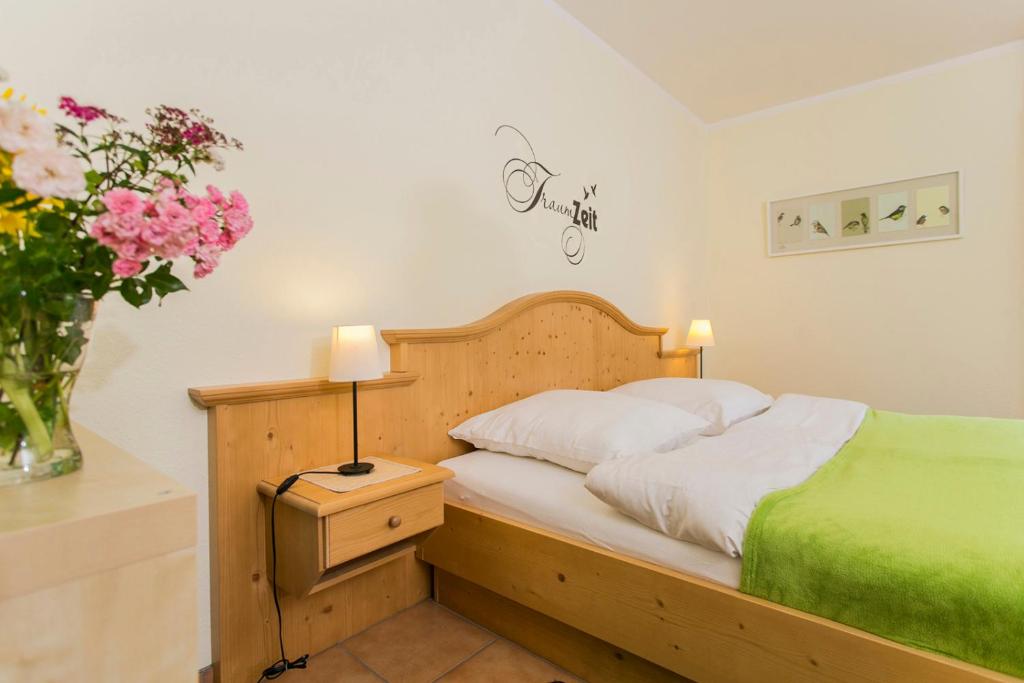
<point>930,328</point>
<point>374,178</point>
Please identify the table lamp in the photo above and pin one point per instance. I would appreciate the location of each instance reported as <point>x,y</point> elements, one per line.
<point>354,358</point>
<point>700,335</point>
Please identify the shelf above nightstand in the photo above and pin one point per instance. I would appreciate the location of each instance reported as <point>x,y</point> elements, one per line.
<point>325,537</point>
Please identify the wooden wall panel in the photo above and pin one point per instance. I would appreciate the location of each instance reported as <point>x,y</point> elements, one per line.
<point>269,440</point>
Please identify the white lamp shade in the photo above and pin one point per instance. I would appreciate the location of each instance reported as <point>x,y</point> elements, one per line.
<point>700,334</point>
<point>354,356</point>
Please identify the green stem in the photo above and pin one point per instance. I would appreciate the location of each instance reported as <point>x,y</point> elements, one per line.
<point>21,398</point>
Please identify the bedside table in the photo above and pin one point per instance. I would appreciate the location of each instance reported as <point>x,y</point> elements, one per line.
<point>325,537</point>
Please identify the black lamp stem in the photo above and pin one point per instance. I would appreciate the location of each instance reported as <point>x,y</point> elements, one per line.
<point>701,361</point>
<point>355,467</point>
<point>355,424</point>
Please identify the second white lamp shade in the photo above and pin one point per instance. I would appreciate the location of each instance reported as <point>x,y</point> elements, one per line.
<point>700,334</point>
<point>354,355</point>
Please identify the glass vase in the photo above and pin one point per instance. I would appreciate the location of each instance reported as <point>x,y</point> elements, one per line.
<point>43,342</point>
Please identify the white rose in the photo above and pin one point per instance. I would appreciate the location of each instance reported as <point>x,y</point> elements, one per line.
<point>48,173</point>
<point>22,129</point>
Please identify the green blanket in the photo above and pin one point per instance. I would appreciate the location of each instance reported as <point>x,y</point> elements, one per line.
<point>914,531</point>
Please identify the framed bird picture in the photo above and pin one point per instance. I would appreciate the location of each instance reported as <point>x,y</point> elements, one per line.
<point>914,210</point>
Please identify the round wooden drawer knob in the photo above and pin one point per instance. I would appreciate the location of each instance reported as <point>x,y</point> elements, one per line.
<point>394,522</point>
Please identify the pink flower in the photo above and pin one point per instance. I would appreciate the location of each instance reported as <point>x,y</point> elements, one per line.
<point>202,269</point>
<point>207,258</point>
<point>83,113</point>
<point>126,268</point>
<point>209,230</point>
<point>214,194</point>
<point>169,223</point>
<point>203,209</point>
<point>239,201</point>
<point>227,239</point>
<point>198,134</point>
<point>101,229</point>
<point>132,250</point>
<point>164,184</point>
<point>127,227</point>
<point>176,215</point>
<point>156,231</point>
<point>191,246</point>
<point>238,222</point>
<point>122,201</point>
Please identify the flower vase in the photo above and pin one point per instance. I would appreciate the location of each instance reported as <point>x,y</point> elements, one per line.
<point>43,342</point>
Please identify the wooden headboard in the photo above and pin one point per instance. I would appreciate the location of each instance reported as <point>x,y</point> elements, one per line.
<point>438,378</point>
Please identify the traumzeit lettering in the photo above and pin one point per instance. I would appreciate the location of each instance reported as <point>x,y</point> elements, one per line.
<point>525,180</point>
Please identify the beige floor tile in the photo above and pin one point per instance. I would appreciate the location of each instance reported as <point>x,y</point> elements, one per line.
<point>334,665</point>
<point>504,662</point>
<point>418,645</point>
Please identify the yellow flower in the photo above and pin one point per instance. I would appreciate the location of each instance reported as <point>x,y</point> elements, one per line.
<point>13,222</point>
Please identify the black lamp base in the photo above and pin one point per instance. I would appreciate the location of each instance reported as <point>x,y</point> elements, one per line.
<point>351,469</point>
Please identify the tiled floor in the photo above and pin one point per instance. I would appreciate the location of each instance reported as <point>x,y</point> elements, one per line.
<point>428,643</point>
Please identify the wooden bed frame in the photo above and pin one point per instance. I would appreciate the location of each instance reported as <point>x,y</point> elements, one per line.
<point>602,615</point>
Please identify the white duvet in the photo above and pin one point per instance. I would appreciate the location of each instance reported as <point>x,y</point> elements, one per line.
<point>706,492</point>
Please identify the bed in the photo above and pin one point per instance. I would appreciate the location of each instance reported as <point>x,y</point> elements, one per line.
<point>647,610</point>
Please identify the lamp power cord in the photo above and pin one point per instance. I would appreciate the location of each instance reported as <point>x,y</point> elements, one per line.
<point>283,665</point>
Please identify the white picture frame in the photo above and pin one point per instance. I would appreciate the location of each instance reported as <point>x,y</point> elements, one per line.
<point>832,221</point>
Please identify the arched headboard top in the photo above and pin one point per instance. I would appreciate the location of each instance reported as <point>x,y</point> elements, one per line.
<point>511,311</point>
<point>534,336</point>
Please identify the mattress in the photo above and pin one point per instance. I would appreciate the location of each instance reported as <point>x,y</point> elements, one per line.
<point>553,498</point>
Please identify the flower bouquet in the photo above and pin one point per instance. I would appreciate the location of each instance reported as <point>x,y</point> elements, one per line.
<point>90,206</point>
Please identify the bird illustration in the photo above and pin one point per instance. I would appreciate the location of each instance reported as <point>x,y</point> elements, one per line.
<point>593,190</point>
<point>864,222</point>
<point>820,229</point>
<point>796,222</point>
<point>944,210</point>
<point>781,216</point>
<point>922,219</point>
<point>852,225</point>
<point>897,213</point>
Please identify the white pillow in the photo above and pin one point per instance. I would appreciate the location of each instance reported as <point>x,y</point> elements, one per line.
<point>721,402</point>
<point>579,429</point>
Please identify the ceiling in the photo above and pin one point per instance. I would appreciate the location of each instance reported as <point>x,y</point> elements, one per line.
<point>726,58</point>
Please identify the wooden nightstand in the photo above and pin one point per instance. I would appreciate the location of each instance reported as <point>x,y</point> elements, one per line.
<point>324,537</point>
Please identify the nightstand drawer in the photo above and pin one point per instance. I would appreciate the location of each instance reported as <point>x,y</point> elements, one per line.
<point>359,530</point>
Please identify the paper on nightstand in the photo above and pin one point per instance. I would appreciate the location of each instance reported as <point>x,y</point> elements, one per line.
<point>383,470</point>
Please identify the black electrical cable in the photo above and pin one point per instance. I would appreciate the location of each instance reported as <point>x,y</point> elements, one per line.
<point>278,668</point>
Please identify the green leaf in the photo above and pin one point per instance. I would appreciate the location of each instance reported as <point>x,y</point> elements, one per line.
<point>92,180</point>
<point>164,282</point>
<point>10,427</point>
<point>8,193</point>
<point>26,205</point>
<point>136,292</point>
<point>53,223</point>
